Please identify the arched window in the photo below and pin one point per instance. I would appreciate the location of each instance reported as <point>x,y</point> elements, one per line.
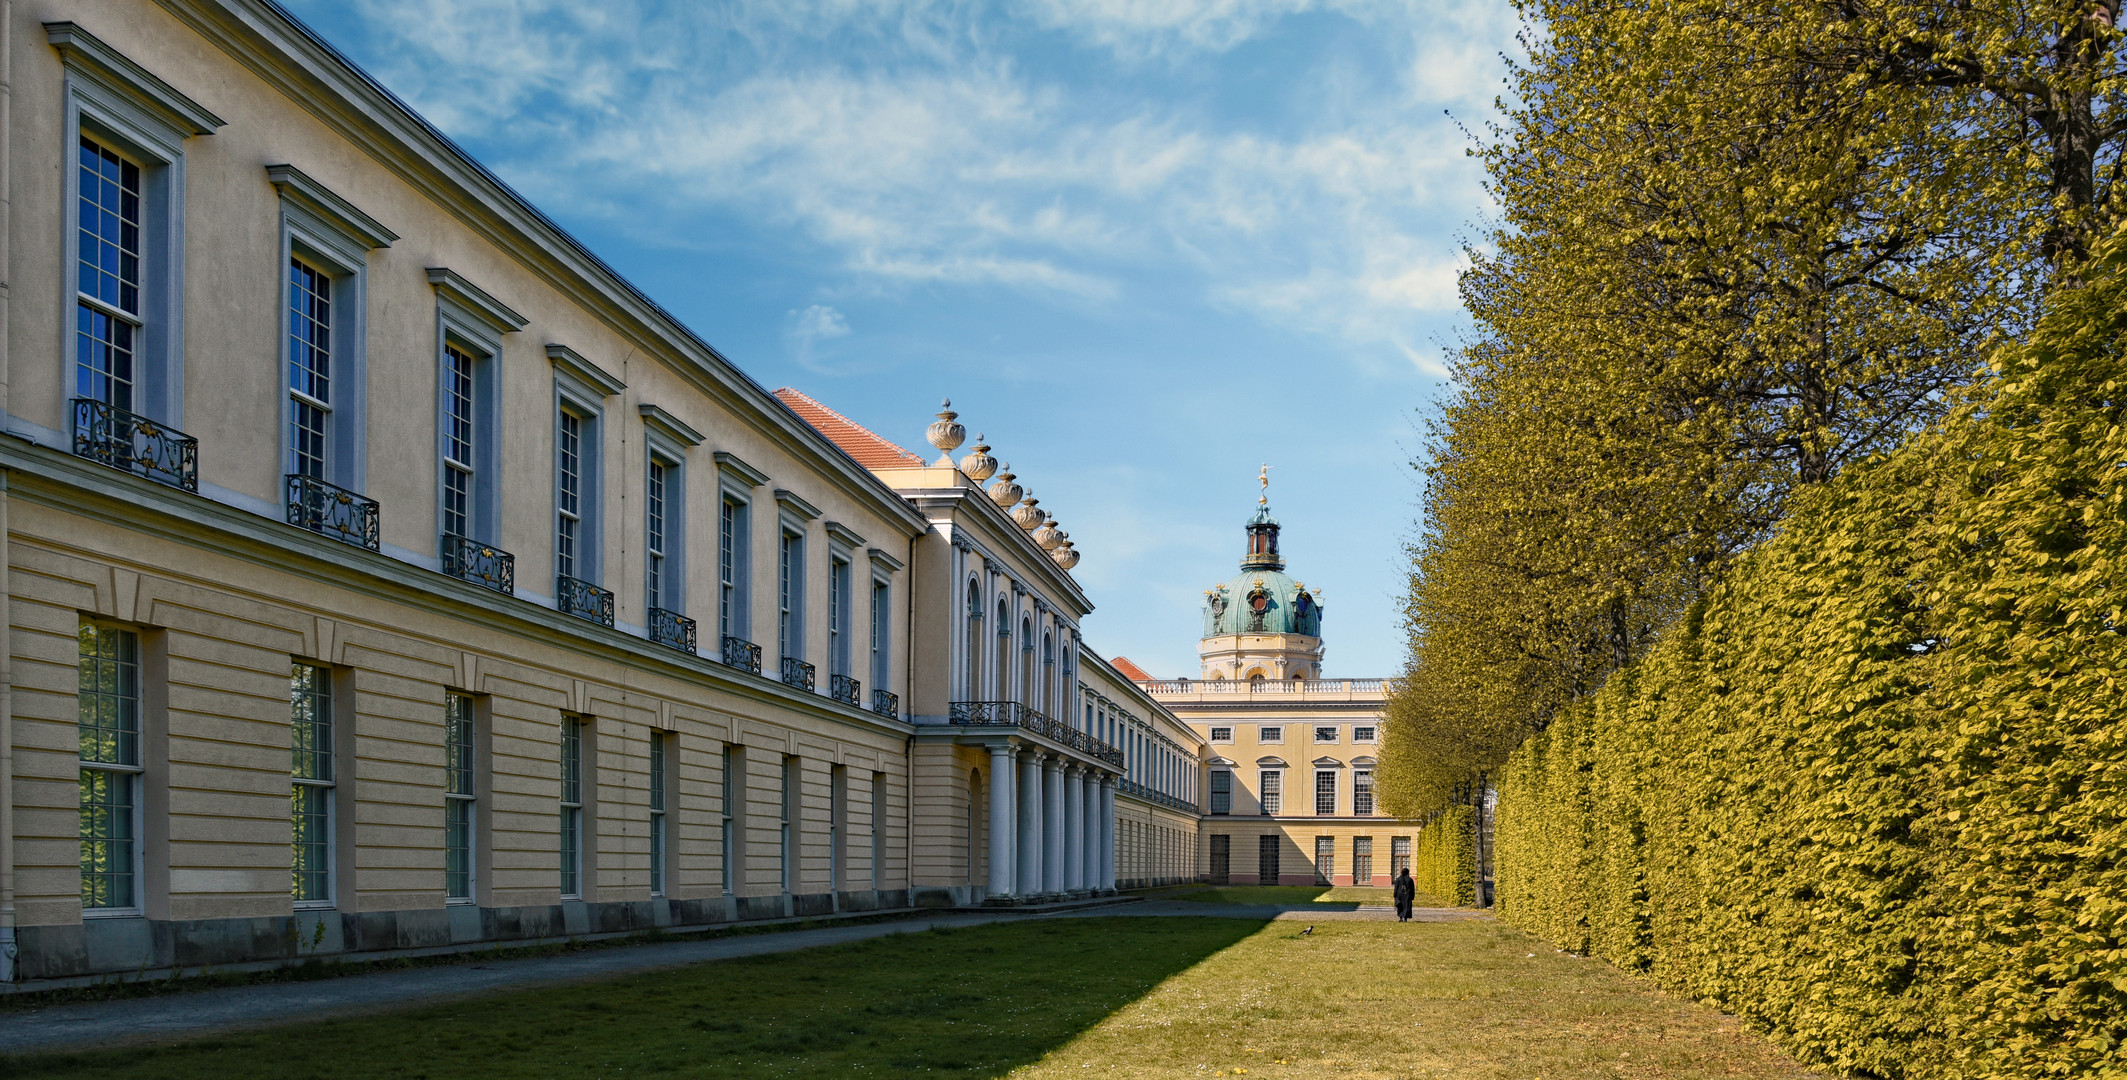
<point>1027,685</point>
<point>1004,653</point>
<point>1048,671</point>
<point>972,663</point>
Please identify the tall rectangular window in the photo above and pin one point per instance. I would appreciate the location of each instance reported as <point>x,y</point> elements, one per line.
<point>459,798</point>
<point>310,739</point>
<point>1325,860</point>
<point>657,812</point>
<point>1399,855</point>
<point>730,568</point>
<point>1272,783</point>
<point>1362,860</point>
<point>1221,791</point>
<point>571,807</point>
<point>568,493</point>
<point>881,612</point>
<point>789,854</point>
<point>790,586</point>
<point>837,613</point>
<point>878,831</point>
<point>1325,792</point>
<point>108,308</point>
<point>1363,792</point>
<point>458,445</point>
<point>309,368</point>
<point>727,796</point>
<point>654,534</point>
<point>107,709</point>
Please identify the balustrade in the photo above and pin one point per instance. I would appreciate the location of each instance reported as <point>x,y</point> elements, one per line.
<point>741,654</point>
<point>672,629</point>
<point>575,596</point>
<point>844,689</point>
<point>332,510</point>
<point>797,673</point>
<point>481,564</point>
<point>135,444</point>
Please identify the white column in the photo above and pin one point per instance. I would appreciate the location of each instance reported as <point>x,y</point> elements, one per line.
<point>1074,848</point>
<point>1052,826</point>
<point>1030,807</point>
<point>1089,852</point>
<point>1002,825</point>
<point>1107,833</point>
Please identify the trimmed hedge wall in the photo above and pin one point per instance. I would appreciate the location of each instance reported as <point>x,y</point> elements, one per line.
<point>1444,857</point>
<point>1871,793</point>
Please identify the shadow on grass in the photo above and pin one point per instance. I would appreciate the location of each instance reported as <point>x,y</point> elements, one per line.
<point>1310,897</point>
<point>972,1002</point>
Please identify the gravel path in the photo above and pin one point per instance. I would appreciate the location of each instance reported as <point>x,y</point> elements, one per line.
<point>190,1014</point>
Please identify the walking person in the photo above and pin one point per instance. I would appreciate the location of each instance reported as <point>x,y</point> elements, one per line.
<point>1406,891</point>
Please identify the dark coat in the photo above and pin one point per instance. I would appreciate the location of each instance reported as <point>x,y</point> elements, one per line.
<point>1406,889</point>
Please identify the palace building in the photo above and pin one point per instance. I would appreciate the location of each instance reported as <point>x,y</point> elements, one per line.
<point>1288,776</point>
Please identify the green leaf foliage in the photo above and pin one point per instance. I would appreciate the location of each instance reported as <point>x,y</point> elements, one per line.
<point>1870,791</point>
<point>1444,857</point>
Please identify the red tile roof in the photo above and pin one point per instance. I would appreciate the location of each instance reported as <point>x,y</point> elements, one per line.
<point>871,450</point>
<point>1129,670</point>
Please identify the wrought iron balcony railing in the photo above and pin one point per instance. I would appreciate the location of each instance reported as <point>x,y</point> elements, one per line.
<point>742,654</point>
<point>332,510</point>
<point>575,596</point>
<point>481,564</point>
<point>797,672</point>
<point>886,703</point>
<point>135,444</point>
<point>844,689</point>
<point>672,629</point>
<point>1014,714</point>
<point>1132,787</point>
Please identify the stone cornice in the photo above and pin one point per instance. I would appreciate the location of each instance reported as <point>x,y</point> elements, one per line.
<point>586,372</point>
<point>297,187</point>
<point>475,300</point>
<point>79,48</point>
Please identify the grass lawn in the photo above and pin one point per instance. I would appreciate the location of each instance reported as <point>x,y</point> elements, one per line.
<point>1128,996</point>
<point>1290,894</point>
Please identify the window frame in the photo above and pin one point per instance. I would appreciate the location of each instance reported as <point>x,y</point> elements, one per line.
<point>734,536</point>
<point>1216,737</point>
<point>670,591</point>
<point>727,807</point>
<point>473,323</point>
<point>1328,730</point>
<point>575,396</point>
<point>131,774</point>
<point>1362,792</point>
<point>1270,790</point>
<point>323,230</point>
<point>841,575</point>
<point>1221,800</point>
<point>116,103</point>
<point>1365,733</point>
<point>1271,733</point>
<point>1328,778</point>
<point>790,593</point>
<point>882,623</point>
<point>327,785</point>
<point>461,735</point>
<point>571,806</point>
<point>660,766</point>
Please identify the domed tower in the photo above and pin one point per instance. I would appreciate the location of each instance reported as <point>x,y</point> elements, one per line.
<point>1262,624</point>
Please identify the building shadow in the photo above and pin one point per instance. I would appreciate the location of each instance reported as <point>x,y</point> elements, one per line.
<point>968,1002</point>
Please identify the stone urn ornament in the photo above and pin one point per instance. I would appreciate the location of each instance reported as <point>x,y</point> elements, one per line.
<point>979,465</point>
<point>1029,514</point>
<point>946,433</point>
<point>1004,492</point>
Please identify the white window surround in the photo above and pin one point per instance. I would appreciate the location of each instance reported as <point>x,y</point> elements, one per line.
<point>586,401</point>
<point>329,233</point>
<point>475,322</point>
<point>736,483</point>
<point>796,517</point>
<point>119,103</point>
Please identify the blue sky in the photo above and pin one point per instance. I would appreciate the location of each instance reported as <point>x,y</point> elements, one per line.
<point>1144,246</point>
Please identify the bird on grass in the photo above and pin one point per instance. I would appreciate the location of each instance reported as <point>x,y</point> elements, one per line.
<point>1307,931</point>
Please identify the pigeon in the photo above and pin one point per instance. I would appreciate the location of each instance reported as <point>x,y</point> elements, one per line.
<point>1307,931</point>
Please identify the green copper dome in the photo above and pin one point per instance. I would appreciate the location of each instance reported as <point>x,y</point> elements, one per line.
<point>1263,599</point>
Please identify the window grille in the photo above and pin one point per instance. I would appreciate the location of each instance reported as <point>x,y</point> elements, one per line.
<point>1271,735</point>
<point>108,283</point>
<point>727,576</point>
<point>730,832</point>
<point>1222,734</point>
<point>1399,855</point>
<point>1363,792</point>
<point>1326,734</point>
<point>1362,860</point>
<point>309,367</point>
<point>568,499</point>
<point>786,598</point>
<point>1325,860</point>
<point>1364,734</point>
<point>571,807</point>
<point>789,854</point>
<point>881,611</point>
<point>1267,847</point>
<point>458,445</point>
<point>1221,791</point>
<point>1325,792</point>
<point>657,812</point>
<point>107,708</point>
<point>1272,783</point>
<point>310,739</point>
<point>654,534</point>
<point>458,798</point>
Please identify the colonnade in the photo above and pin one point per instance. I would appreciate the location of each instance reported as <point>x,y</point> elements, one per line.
<point>1052,824</point>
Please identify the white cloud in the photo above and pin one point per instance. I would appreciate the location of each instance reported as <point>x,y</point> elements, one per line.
<point>927,154</point>
<point>806,329</point>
